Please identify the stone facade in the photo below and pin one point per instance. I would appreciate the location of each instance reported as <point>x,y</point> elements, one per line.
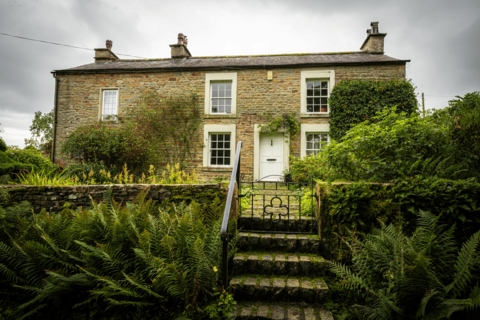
<point>79,93</point>
<point>79,100</point>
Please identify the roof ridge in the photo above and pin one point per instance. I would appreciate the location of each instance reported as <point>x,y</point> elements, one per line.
<point>248,56</point>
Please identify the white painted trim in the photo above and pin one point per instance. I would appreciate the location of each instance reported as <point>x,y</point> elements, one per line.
<point>218,128</point>
<point>310,128</point>
<point>100,103</point>
<point>218,77</point>
<point>256,151</point>
<point>321,74</point>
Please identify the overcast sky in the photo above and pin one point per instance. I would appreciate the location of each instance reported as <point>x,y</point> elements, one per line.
<point>442,39</point>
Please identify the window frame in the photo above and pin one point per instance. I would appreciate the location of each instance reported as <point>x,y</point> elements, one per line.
<point>102,100</point>
<point>218,98</point>
<point>305,129</point>
<point>210,129</point>
<point>219,77</point>
<point>315,133</point>
<point>320,75</point>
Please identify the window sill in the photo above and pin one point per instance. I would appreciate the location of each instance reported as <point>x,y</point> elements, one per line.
<point>315,115</point>
<point>220,116</point>
<point>217,169</point>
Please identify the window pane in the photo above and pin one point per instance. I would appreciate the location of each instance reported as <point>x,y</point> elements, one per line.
<point>309,100</point>
<point>229,86</point>
<point>220,145</point>
<point>309,92</point>
<point>309,145</point>
<point>227,137</point>
<point>214,145</point>
<point>220,161</point>
<point>309,152</point>
<point>213,161</point>
<point>316,85</point>
<point>227,161</point>
<point>309,108</point>
<point>316,108</point>
<point>214,137</point>
<point>309,84</point>
<point>324,84</point>
<point>324,100</point>
<point>309,137</point>
<point>316,101</point>
<point>228,109</point>
<point>227,152</point>
<point>324,92</point>
<point>317,92</point>
<point>221,109</point>
<point>220,153</point>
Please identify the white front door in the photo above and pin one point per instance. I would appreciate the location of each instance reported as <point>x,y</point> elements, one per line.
<point>271,157</point>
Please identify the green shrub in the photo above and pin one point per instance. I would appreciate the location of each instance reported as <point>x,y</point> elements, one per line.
<point>311,166</point>
<point>10,166</point>
<point>388,147</point>
<point>140,261</point>
<point>355,101</point>
<point>3,145</point>
<point>112,145</point>
<point>30,155</point>
<point>424,276</point>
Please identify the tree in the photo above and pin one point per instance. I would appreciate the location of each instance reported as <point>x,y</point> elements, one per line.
<point>42,131</point>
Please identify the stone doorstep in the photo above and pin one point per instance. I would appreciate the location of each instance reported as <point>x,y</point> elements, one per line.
<point>280,311</point>
<point>299,224</point>
<point>283,289</point>
<point>278,264</point>
<point>279,242</point>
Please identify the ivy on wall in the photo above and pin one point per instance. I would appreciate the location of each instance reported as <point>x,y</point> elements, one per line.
<point>355,101</point>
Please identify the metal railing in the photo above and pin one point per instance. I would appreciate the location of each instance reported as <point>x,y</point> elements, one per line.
<point>226,215</point>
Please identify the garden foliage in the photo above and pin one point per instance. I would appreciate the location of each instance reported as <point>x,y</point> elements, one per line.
<point>355,101</point>
<point>9,166</point>
<point>112,144</point>
<point>110,262</point>
<point>423,276</point>
<point>42,132</point>
<point>30,155</point>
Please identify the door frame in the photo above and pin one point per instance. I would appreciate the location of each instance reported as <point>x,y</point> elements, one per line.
<point>256,150</point>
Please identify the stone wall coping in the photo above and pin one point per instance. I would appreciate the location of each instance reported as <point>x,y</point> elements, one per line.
<point>12,186</point>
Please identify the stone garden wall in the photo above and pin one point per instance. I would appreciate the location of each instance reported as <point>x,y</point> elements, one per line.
<point>53,198</point>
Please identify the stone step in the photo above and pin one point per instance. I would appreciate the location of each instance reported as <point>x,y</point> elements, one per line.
<point>278,223</point>
<point>260,288</point>
<point>281,311</point>
<point>274,263</point>
<point>279,242</point>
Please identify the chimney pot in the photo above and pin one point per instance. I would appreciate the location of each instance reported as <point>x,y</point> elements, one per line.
<point>109,44</point>
<point>179,50</point>
<point>374,43</point>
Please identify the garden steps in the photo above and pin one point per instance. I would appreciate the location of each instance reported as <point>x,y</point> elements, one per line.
<point>298,224</point>
<point>280,311</point>
<point>279,263</point>
<point>290,243</point>
<point>278,270</point>
<point>266,288</point>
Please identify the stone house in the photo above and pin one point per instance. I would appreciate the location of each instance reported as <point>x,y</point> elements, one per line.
<point>234,91</point>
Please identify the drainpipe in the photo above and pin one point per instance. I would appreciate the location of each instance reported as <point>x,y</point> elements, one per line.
<point>55,108</point>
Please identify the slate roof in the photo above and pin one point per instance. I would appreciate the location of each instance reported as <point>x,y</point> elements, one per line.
<point>236,62</point>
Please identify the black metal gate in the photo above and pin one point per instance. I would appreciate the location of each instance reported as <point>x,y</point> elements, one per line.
<point>276,207</point>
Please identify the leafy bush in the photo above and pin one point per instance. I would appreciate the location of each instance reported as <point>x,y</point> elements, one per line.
<point>32,156</point>
<point>353,102</point>
<point>135,262</point>
<point>311,166</point>
<point>8,166</point>
<point>3,145</point>
<point>424,276</point>
<point>388,148</point>
<point>112,145</point>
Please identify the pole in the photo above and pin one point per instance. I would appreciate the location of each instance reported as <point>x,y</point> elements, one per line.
<point>423,104</point>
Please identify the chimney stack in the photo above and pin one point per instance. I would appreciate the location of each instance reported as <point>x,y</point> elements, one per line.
<point>179,50</point>
<point>375,41</point>
<point>105,55</point>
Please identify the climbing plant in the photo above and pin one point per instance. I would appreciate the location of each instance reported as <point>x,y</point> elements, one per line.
<point>287,121</point>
